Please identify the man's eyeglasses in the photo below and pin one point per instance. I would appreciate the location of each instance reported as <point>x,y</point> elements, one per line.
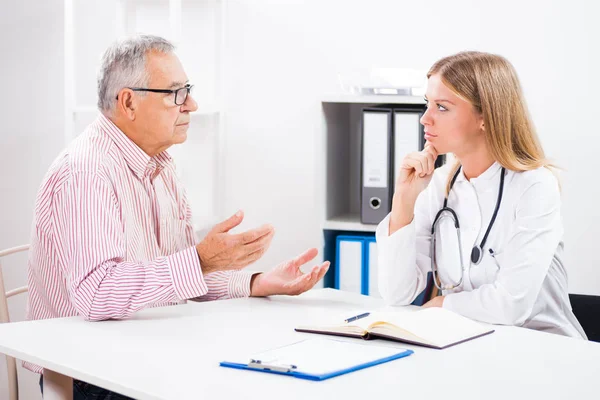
<point>181,94</point>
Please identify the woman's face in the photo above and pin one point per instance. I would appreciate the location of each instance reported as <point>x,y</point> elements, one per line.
<point>452,124</point>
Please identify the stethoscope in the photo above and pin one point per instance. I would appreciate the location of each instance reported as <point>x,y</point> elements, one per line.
<point>477,251</point>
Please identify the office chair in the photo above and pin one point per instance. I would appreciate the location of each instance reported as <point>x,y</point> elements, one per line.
<point>587,310</point>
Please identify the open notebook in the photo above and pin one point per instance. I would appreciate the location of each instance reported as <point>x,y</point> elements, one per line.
<point>431,327</point>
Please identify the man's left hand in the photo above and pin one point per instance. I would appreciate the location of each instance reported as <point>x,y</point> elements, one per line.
<point>286,278</point>
<point>435,302</point>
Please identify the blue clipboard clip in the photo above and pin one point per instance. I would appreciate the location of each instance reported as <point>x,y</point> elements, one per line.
<point>258,364</point>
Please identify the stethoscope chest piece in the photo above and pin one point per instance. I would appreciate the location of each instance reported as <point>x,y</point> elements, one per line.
<point>476,255</point>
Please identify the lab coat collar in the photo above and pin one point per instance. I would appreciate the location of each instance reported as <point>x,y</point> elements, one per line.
<point>487,179</point>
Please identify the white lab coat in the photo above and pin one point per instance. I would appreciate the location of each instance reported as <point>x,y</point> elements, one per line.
<point>526,285</point>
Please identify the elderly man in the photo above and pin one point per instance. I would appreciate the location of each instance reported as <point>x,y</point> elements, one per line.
<point>112,231</point>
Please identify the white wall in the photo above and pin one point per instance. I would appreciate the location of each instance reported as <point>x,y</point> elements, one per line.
<point>31,134</point>
<point>283,56</point>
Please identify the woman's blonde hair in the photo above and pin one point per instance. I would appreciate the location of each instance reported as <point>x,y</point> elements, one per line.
<point>490,83</point>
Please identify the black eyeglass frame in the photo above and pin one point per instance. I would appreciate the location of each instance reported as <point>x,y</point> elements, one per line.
<point>188,89</point>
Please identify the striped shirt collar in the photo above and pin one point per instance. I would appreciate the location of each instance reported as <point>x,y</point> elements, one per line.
<point>140,163</point>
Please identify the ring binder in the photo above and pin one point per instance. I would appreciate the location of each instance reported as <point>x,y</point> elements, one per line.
<point>349,264</point>
<point>375,176</point>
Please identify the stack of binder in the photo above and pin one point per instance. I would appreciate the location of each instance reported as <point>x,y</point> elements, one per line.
<point>388,135</point>
<point>356,267</point>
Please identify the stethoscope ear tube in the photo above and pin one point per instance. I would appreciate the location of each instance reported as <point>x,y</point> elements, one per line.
<point>434,268</point>
<point>439,214</point>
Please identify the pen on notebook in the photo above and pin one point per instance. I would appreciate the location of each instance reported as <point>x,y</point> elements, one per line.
<point>359,316</point>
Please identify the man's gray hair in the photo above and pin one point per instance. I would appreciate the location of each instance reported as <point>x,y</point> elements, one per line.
<point>124,65</point>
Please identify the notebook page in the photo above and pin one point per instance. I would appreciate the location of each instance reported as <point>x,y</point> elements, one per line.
<point>365,322</point>
<point>379,316</point>
<point>322,356</point>
<point>339,320</point>
<point>437,325</point>
<point>338,324</point>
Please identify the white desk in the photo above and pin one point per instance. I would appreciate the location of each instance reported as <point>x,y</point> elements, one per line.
<point>174,353</point>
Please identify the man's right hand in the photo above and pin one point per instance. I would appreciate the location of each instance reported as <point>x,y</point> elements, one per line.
<point>222,251</point>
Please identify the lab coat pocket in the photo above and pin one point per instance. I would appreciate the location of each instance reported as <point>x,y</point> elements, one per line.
<point>487,271</point>
<point>492,273</point>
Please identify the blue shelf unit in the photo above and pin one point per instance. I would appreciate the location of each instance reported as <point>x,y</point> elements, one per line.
<point>331,253</point>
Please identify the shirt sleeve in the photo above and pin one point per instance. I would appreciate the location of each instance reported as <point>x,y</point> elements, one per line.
<point>403,257</point>
<point>226,285</point>
<point>221,284</point>
<point>91,248</point>
<point>524,263</point>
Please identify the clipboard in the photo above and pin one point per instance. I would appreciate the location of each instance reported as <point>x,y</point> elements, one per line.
<point>319,359</point>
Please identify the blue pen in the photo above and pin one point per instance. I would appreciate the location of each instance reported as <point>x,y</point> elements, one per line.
<point>357,317</point>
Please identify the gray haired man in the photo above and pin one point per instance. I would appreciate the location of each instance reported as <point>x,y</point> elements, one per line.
<point>112,228</point>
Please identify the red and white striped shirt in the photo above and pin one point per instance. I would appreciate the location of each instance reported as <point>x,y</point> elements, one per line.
<point>112,234</point>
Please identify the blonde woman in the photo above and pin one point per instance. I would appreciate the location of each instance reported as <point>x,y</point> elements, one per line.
<point>489,225</point>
